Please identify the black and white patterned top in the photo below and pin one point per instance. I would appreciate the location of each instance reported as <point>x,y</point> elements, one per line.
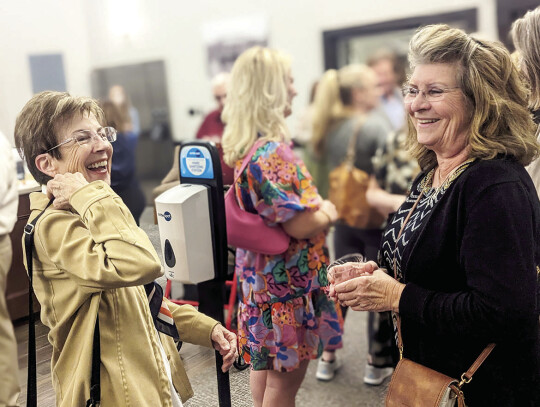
<point>393,167</point>
<point>427,202</point>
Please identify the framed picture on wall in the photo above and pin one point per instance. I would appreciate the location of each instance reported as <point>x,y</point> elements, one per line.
<point>225,40</point>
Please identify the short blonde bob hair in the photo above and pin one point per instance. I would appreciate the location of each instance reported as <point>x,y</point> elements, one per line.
<point>500,124</point>
<point>526,36</point>
<point>334,99</point>
<point>40,120</point>
<point>256,102</point>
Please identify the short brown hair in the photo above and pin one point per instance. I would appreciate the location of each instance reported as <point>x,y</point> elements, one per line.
<point>500,120</point>
<point>40,120</point>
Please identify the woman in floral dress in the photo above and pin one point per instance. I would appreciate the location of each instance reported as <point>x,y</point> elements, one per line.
<point>284,317</point>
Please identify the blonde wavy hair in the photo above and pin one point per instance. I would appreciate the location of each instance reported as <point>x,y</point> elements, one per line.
<point>526,37</point>
<point>257,99</point>
<point>333,100</point>
<point>500,120</point>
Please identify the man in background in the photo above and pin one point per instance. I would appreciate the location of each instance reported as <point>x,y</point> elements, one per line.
<point>390,75</point>
<point>9,197</point>
<point>212,127</point>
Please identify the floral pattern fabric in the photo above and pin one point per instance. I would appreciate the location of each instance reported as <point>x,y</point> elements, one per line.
<point>284,316</point>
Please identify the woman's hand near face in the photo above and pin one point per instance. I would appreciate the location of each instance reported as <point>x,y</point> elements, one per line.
<point>373,292</point>
<point>62,186</point>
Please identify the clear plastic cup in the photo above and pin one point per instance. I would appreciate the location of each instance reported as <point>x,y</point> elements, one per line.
<point>344,275</point>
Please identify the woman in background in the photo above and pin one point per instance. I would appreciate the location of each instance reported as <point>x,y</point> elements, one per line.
<point>526,36</point>
<point>120,98</point>
<point>123,170</point>
<point>284,317</point>
<point>345,107</point>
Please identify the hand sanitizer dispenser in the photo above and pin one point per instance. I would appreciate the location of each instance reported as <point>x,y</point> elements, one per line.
<point>185,233</point>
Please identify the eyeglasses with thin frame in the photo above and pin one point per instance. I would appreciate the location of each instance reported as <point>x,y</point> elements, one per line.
<point>85,137</point>
<point>431,95</point>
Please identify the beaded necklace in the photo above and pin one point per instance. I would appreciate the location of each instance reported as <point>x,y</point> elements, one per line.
<point>426,185</point>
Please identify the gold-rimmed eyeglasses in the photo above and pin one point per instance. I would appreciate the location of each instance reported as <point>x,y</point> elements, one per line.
<point>431,95</point>
<point>85,137</point>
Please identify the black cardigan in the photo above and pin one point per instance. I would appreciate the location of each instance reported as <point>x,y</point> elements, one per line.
<point>471,278</point>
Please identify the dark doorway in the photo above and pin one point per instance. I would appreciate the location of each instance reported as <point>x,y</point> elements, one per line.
<point>146,85</point>
<point>509,11</point>
<point>355,44</point>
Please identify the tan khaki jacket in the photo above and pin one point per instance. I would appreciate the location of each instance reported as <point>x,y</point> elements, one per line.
<point>96,258</point>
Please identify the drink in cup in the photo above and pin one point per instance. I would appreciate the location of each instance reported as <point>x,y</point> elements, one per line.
<point>344,275</point>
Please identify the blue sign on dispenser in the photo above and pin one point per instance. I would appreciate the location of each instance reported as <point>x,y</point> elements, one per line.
<point>195,162</point>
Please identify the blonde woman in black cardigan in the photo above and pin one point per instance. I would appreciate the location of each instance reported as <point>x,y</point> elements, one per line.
<point>467,259</point>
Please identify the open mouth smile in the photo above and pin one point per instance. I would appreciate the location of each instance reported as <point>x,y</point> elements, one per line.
<point>427,121</point>
<point>99,166</point>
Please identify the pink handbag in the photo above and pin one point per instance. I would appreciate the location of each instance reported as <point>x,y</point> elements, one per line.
<point>248,230</point>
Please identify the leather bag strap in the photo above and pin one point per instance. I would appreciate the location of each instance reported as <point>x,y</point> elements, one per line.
<point>95,383</point>
<point>398,319</point>
<point>247,158</point>
<point>467,376</point>
<point>350,157</point>
<point>31,392</point>
<point>31,395</point>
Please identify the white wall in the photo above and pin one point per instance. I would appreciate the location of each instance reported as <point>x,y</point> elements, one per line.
<point>92,34</point>
<point>39,27</point>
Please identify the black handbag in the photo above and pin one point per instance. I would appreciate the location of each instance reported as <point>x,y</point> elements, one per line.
<point>31,395</point>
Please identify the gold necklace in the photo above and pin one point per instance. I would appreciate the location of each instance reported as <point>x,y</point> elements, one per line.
<point>453,174</point>
<point>438,174</point>
<point>435,175</point>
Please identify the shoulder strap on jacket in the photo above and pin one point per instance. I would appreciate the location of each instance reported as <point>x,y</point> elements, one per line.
<point>31,392</point>
<point>31,395</point>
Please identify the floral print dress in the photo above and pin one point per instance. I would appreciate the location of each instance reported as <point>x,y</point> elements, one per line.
<point>284,316</point>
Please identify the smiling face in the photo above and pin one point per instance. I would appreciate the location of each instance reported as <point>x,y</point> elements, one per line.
<point>92,160</point>
<point>442,125</point>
